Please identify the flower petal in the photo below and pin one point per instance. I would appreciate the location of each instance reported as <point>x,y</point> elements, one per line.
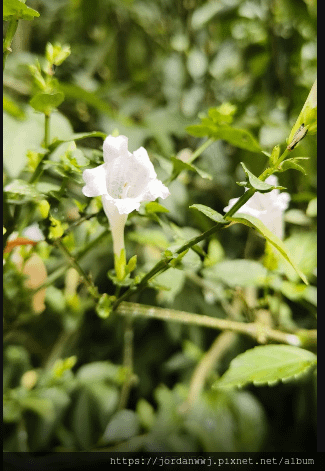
<point>126,205</point>
<point>114,147</point>
<point>142,159</point>
<point>135,172</point>
<point>95,180</point>
<point>155,189</point>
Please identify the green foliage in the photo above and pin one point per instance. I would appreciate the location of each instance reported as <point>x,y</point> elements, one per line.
<point>256,183</point>
<point>18,10</point>
<point>215,92</point>
<point>267,364</point>
<point>251,221</point>
<point>215,127</point>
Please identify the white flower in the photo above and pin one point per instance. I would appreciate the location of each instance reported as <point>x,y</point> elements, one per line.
<point>123,181</point>
<point>268,207</point>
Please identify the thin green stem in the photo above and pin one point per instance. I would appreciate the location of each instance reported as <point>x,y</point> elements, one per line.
<point>253,329</point>
<point>127,362</point>
<point>12,28</point>
<point>220,346</point>
<point>47,131</point>
<point>39,169</point>
<point>88,282</point>
<point>59,271</point>
<point>201,149</point>
<point>194,156</point>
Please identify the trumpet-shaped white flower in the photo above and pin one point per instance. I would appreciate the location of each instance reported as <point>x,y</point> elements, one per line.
<point>268,207</point>
<point>123,181</point>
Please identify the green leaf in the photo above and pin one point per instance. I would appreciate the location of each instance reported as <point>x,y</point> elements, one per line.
<point>154,207</point>
<point>76,137</point>
<point>237,137</point>
<point>274,155</point>
<point>311,210</point>
<point>10,107</point>
<point>259,185</point>
<point>20,191</point>
<point>210,213</point>
<point>104,305</point>
<point>238,273</point>
<point>179,166</point>
<point>206,12</point>
<point>223,114</point>
<point>39,405</point>
<point>98,371</point>
<point>17,9</point>
<point>123,426</point>
<point>292,163</point>
<point>303,248</point>
<point>153,237</point>
<point>198,130</point>
<point>267,365</point>
<point>251,221</point>
<point>57,54</point>
<point>46,102</point>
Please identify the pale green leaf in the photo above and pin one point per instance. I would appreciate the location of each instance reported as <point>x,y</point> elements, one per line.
<point>46,102</point>
<point>258,184</point>
<point>17,9</point>
<point>267,365</point>
<point>251,221</point>
<point>238,273</point>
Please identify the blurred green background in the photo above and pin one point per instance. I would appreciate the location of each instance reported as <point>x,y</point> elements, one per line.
<point>148,69</point>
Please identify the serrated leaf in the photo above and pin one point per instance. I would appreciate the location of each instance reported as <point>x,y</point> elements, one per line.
<point>267,365</point>
<point>251,221</point>
<point>46,102</point>
<point>293,164</point>
<point>210,213</point>
<point>17,9</point>
<point>258,184</point>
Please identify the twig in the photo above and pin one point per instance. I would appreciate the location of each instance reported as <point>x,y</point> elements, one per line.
<point>222,343</point>
<point>127,362</point>
<point>260,333</point>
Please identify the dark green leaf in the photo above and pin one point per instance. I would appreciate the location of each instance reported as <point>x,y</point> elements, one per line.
<point>211,213</point>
